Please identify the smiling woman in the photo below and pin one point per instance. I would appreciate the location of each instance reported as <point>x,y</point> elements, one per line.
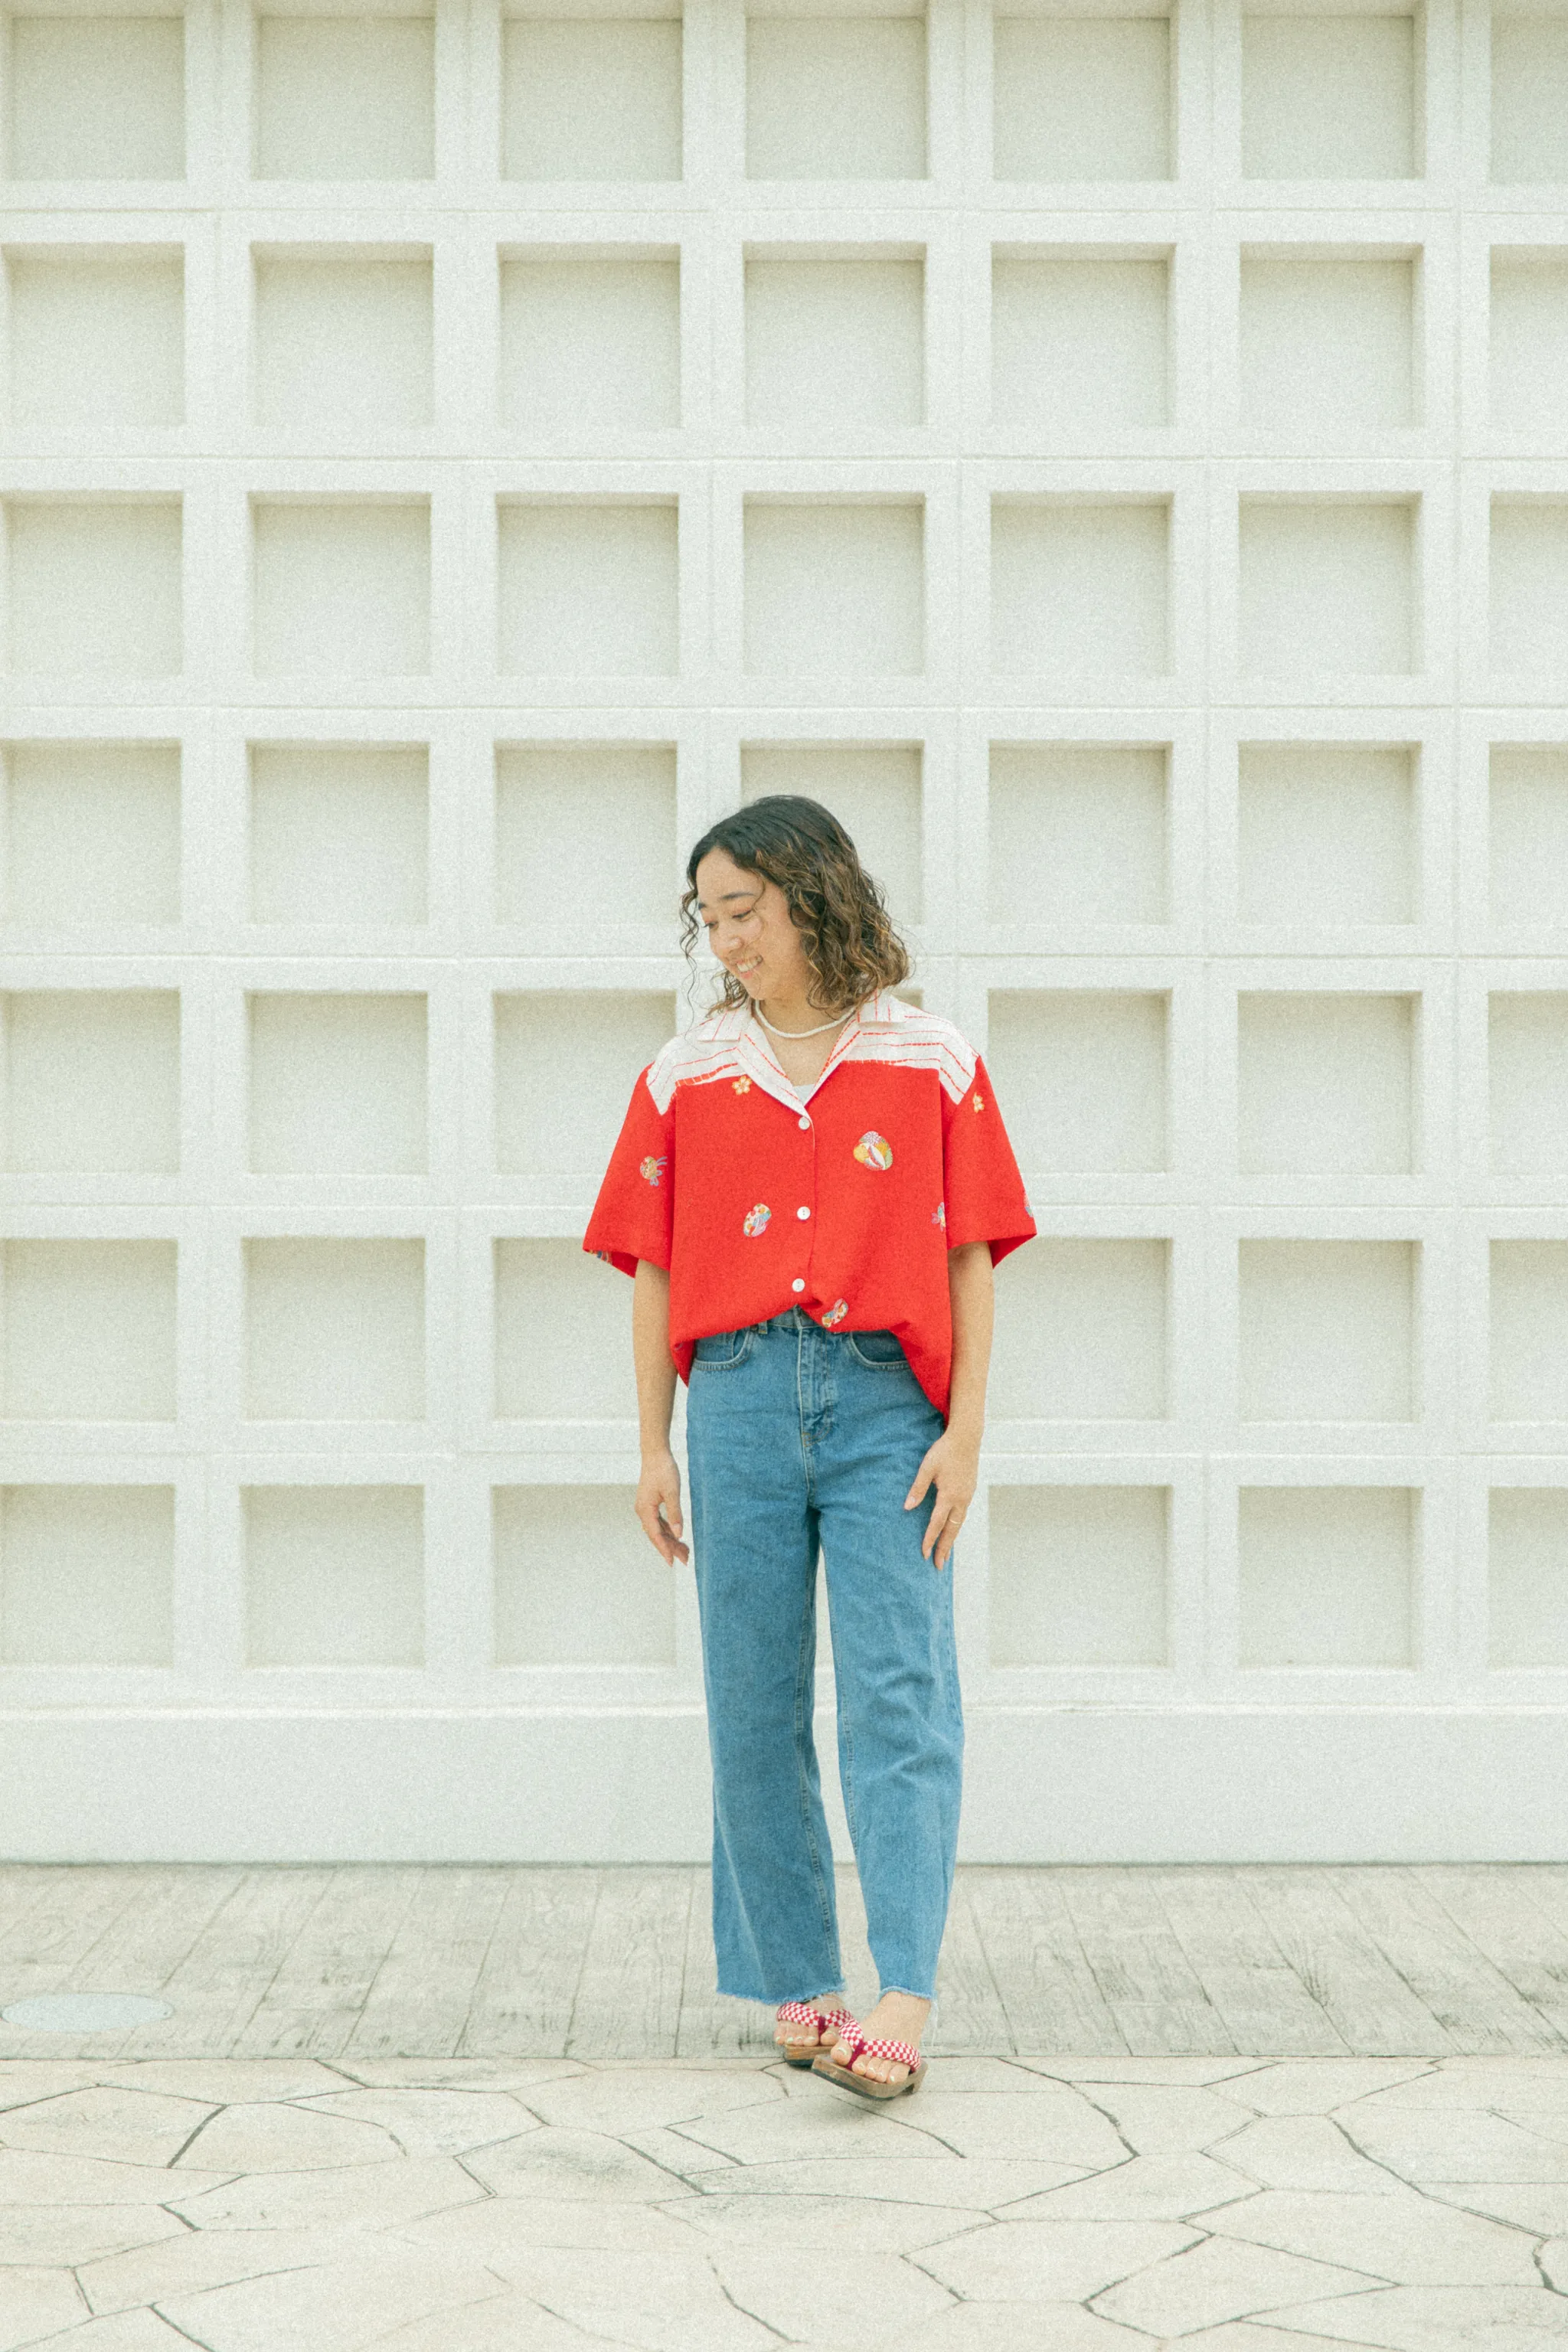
<point>812,1207</point>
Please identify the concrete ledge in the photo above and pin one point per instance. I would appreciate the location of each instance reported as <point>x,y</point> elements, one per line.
<point>1086,1785</point>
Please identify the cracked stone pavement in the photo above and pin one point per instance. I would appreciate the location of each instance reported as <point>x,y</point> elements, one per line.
<point>1012,2205</point>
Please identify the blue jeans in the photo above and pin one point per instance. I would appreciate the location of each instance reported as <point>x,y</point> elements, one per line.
<point>796,1435</point>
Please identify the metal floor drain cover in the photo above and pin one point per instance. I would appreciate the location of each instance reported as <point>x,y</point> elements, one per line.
<point>84,2012</point>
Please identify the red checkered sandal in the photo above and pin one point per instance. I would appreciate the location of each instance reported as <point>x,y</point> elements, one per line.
<point>867,2086</point>
<point>806,2013</point>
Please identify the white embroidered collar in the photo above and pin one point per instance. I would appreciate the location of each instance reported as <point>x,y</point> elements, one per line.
<point>884,1008</point>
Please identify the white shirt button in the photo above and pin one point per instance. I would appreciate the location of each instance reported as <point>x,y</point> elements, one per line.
<point>804,1121</point>
<point>797,1284</point>
<point>802,1213</point>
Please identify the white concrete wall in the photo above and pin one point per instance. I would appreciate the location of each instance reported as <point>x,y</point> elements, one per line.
<point>1118,461</point>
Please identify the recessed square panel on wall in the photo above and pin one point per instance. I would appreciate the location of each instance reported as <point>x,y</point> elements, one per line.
<point>337,1085</point>
<point>343,338</point>
<point>339,833</point>
<point>837,588</point>
<point>1530,95</point>
<point>1081,1331</point>
<point>97,336</point>
<point>1079,1576</point>
<point>1328,1331</point>
<point>585,587</point>
<point>1078,345</point>
<point>836,98</point>
<point>1325,1083</point>
<point>341,587</point>
<point>1327,97</point>
<point>1529,1330</point>
<point>93,587</point>
<point>1083,98</point>
<point>92,1081</point>
<point>344,98</point>
<point>1327,345</point>
<point>1079,587</point>
<point>1326,834</point>
<point>1084,1072</point>
<point>1078,833</point>
<point>87,1576</point>
<point>602,813</point>
<point>564,1063</point>
<point>96,98</point>
<point>1326,1576</point>
<point>1328,585</point>
<point>1528,801</point>
<point>1528,1062</point>
<point>873,789</point>
<point>334,1329</point>
<point>591,98</point>
<point>1530,588</point>
<point>834,346</point>
<point>1528,345</point>
<point>617,1609</point>
<point>92,834</point>
<point>334,1576</point>
<point>1527,1576</point>
<point>89,1330</point>
<point>590,341</point>
<point>545,1286</point>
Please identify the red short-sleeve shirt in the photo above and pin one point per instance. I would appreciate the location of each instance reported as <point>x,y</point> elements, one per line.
<point>846,1203</point>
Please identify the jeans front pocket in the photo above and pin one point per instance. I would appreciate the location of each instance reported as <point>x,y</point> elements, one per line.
<point>721,1351</point>
<point>879,1349</point>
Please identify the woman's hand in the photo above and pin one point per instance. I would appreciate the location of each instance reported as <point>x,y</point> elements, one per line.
<point>660,1484</point>
<point>953,1461</point>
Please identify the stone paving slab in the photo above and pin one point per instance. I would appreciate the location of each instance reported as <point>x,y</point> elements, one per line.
<point>1038,2204</point>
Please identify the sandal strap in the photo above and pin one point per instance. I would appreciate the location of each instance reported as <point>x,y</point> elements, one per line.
<point>806,2013</point>
<point>902,2053</point>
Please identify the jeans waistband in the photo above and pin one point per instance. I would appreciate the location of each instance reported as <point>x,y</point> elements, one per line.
<point>794,1319</point>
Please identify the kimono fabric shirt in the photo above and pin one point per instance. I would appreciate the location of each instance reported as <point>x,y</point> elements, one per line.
<point>846,1204</point>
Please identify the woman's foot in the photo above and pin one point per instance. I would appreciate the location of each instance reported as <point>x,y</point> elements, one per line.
<point>898,2016</point>
<point>796,2038</point>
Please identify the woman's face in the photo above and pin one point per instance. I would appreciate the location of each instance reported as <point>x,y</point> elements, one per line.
<point>749,928</point>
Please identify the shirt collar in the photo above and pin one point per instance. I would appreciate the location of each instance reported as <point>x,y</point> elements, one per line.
<point>884,1006</point>
<point>757,1054</point>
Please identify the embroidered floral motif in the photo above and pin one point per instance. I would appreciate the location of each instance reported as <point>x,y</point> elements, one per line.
<point>743,1085</point>
<point>979,1101</point>
<point>939,1214</point>
<point>756,1221</point>
<point>836,1314</point>
<point>651,1167</point>
<point>874,1151</point>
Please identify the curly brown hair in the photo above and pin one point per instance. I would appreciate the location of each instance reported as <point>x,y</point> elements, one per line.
<point>838,908</point>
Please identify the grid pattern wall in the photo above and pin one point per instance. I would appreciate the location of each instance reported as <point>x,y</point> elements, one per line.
<point>1119,460</point>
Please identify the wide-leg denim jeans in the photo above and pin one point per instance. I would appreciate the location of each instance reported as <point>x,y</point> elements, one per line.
<point>798,1437</point>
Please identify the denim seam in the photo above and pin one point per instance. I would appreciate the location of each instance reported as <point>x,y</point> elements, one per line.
<point>805,1681</point>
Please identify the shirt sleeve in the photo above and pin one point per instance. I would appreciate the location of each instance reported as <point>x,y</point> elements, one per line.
<point>982,1190</point>
<point>632,1218</point>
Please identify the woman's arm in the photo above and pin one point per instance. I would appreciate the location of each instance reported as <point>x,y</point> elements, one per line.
<point>953,1460</point>
<point>972,1289</point>
<point>659,1482</point>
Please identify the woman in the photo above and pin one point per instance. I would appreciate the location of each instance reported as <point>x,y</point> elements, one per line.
<point>811,1188</point>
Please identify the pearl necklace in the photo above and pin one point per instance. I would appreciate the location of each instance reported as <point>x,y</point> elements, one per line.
<point>799,1033</point>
